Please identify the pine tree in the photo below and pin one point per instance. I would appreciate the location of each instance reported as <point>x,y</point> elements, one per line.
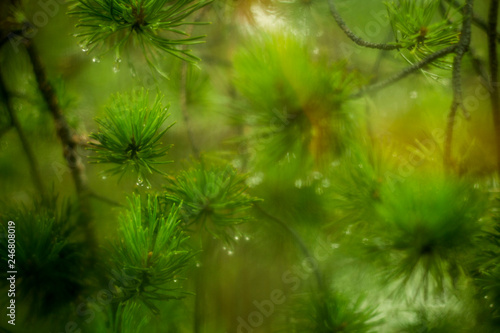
<point>252,166</point>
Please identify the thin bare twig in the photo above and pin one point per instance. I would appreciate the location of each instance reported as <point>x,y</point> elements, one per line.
<point>105,199</point>
<point>476,20</point>
<point>32,162</point>
<point>493,60</point>
<point>355,38</point>
<point>405,72</point>
<point>65,134</point>
<point>462,48</point>
<point>183,93</point>
<point>323,291</point>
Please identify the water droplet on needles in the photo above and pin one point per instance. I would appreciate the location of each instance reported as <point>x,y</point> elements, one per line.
<point>316,175</point>
<point>104,177</point>
<point>116,67</point>
<point>175,281</point>
<point>84,47</point>
<point>230,252</point>
<point>96,60</point>
<point>236,238</point>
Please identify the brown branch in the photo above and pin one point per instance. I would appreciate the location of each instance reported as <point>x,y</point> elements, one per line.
<point>355,38</point>
<point>405,72</point>
<point>323,290</point>
<point>476,20</point>
<point>183,93</point>
<point>462,48</point>
<point>105,199</point>
<point>493,60</point>
<point>184,109</point>
<point>32,162</point>
<point>70,145</point>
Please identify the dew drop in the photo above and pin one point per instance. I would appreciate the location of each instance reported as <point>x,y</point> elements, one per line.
<point>116,68</point>
<point>236,238</point>
<point>317,175</point>
<point>198,264</point>
<point>413,95</point>
<point>133,73</point>
<point>96,60</point>
<point>237,163</point>
<point>247,238</point>
<point>230,252</point>
<point>104,177</point>
<point>298,183</point>
<point>325,183</point>
<point>486,297</point>
<point>255,179</point>
<point>335,246</point>
<point>175,281</point>
<point>84,47</point>
<point>492,305</point>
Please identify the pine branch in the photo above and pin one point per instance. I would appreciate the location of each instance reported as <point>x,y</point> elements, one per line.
<point>477,62</point>
<point>105,199</point>
<point>183,93</point>
<point>476,20</point>
<point>480,67</point>
<point>65,134</point>
<point>323,290</point>
<point>32,162</point>
<point>462,48</point>
<point>493,62</point>
<point>355,38</point>
<point>405,72</point>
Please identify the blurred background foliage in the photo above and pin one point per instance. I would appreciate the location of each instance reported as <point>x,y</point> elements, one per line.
<point>294,207</point>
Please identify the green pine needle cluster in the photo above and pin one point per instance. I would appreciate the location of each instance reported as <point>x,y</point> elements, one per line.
<point>129,135</point>
<point>417,28</point>
<point>355,189</point>
<point>51,260</point>
<point>150,251</point>
<point>212,197</point>
<point>428,226</point>
<point>488,265</point>
<point>294,101</point>
<point>152,26</point>
<point>333,313</point>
